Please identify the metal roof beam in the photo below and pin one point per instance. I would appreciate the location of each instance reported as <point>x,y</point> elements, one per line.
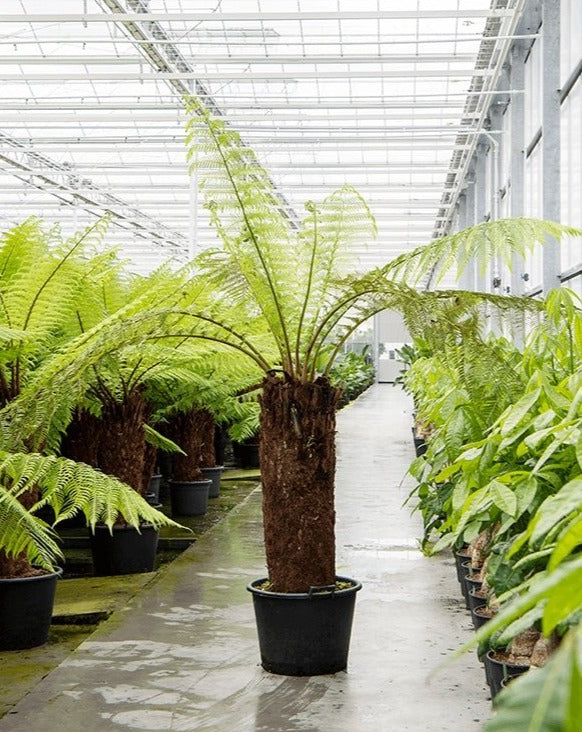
<point>262,16</point>
<point>201,60</point>
<point>266,36</point>
<point>246,77</point>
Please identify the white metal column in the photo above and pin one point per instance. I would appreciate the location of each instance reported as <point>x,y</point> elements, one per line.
<point>551,138</point>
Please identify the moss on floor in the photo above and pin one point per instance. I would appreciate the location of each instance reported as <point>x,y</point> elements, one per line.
<point>83,600</point>
<point>20,671</point>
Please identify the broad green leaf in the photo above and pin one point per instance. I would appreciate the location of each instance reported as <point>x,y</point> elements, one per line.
<point>574,711</point>
<point>567,542</point>
<point>447,472</point>
<point>556,398</point>
<point>565,599</point>
<point>503,497</point>
<point>579,451</point>
<point>443,542</point>
<point>533,558</point>
<point>557,507</point>
<point>537,701</point>
<point>460,496</point>
<point>519,626</point>
<point>417,467</point>
<point>525,492</point>
<point>517,412</point>
<point>470,454</point>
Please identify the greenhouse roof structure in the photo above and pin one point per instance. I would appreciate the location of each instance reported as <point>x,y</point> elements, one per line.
<point>390,97</point>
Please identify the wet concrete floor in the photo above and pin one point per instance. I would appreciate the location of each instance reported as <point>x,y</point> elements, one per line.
<point>183,654</point>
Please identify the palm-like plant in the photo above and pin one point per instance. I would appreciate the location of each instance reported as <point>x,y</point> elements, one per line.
<point>296,278</point>
<point>46,285</point>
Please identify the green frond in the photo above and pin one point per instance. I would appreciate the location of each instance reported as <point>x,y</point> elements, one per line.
<point>22,532</point>
<point>155,438</point>
<point>501,239</point>
<point>67,487</point>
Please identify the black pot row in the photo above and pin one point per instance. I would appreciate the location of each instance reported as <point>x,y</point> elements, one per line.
<point>497,672</point>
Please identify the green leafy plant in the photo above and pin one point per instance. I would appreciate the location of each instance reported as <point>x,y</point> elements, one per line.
<point>353,374</point>
<point>546,699</point>
<point>45,286</point>
<point>308,307</point>
<point>519,485</point>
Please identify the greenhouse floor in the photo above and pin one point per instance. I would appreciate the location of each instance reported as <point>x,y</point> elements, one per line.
<point>183,654</point>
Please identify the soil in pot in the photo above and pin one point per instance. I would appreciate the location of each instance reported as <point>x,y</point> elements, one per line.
<point>26,607</point>
<point>481,614</point>
<point>189,497</point>
<point>124,550</point>
<point>305,634</point>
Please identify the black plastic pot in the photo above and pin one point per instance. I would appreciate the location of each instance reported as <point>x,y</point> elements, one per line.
<point>508,680</point>
<point>124,551</point>
<point>472,584</point>
<point>465,570</point>
<point>498,670</point>
<point>189,497</point>
<point>26,608</point>
<point>475,601</point>
<point>478,618</point>
<point>213,474</point>
<point>460,559</point>
<point>153,494</point>
<point>304,634</point>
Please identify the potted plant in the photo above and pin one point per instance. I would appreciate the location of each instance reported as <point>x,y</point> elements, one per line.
<point>294,276</point>
<point>187,407</point>
<point>29,549</point>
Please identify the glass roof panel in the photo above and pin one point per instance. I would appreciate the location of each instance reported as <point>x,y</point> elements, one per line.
<point>326,91</point>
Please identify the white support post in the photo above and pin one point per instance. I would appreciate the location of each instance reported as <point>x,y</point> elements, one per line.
<point>551,138</point>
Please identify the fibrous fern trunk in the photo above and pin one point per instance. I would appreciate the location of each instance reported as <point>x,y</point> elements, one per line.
<point>193,431</point>
<point>81,440</point>
<point>297,449</point>
<point>122,443</point>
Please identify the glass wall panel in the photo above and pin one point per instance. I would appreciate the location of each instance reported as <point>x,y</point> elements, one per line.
<point>572,172</point>
<point>571,37</point>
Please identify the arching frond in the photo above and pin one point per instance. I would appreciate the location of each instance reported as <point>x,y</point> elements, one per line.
<point>67,487</point>
<point>481,244</point>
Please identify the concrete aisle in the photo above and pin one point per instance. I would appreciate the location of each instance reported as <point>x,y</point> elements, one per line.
<point>183,655</point>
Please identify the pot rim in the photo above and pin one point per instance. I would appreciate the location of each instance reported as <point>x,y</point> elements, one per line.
<point>356,587</point>
<point>490,653</point>
<point>57,571</point>
<point>190,482</point>
<point>103,527</point>
<point>213,467</point>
